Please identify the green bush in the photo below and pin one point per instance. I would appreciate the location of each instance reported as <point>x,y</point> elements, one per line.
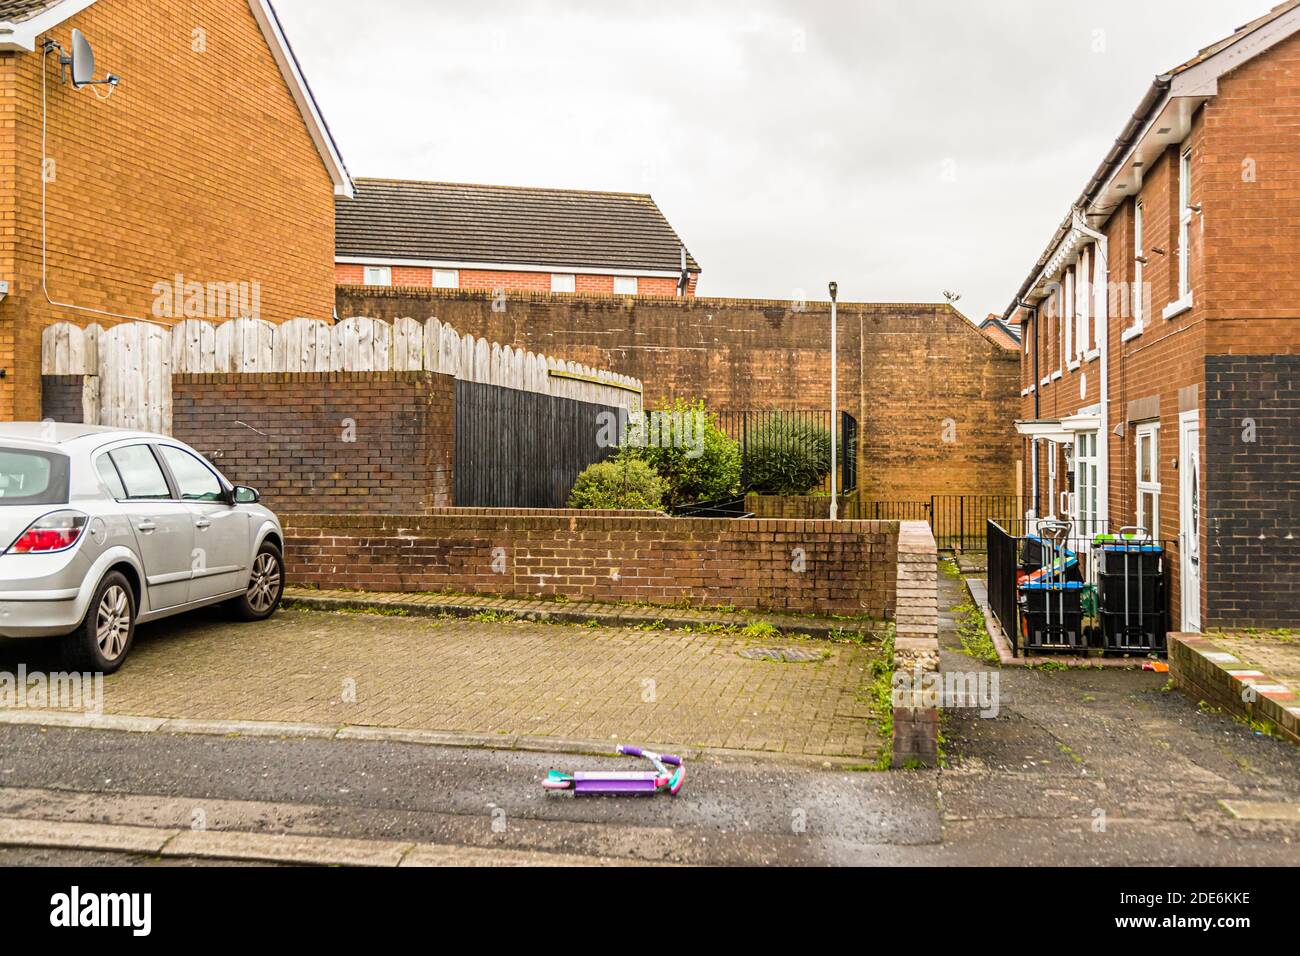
<point>788,455</point>
<point>685,445</point>
<point>623,483</point>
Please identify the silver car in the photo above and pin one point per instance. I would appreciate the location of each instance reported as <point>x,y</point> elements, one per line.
<point>103,529</point>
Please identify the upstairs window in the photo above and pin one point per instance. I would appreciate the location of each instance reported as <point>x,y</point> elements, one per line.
<point>1184,223</point>
<point>564,283</point>
<point>379,275</point>
<point>446,279</point>
<point>1139,260</point>
<point>625,285</point>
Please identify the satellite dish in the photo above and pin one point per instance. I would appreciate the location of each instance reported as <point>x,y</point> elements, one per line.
<point>83,60</point>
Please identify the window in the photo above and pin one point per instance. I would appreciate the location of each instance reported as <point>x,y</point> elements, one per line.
<point>625,285</point>
<point>1139,254</point>
<point>141,476</point>
<point>379,275</point>
<point>446,278</point>
<point>194,479</point>
<point>1086,484</point>
<point>564,283</point>
<point>1148,478</point>
<point>1082,306</point>
<point>1067,348</point>
<point>108,474</point>
<point>1184,224</point>
<point>32,478</point>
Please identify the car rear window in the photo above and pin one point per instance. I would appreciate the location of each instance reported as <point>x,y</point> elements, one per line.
<point>32,478</point>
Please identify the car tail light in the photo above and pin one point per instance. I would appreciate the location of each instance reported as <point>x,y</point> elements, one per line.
<point>55,532</point>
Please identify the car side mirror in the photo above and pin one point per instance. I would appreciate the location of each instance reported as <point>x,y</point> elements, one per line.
<point>246,496</point>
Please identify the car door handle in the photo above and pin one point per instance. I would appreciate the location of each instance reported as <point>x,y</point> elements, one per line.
<point>203,524</point>
<point>148,527</point>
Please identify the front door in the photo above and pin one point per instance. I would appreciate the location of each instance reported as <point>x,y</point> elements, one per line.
<point>1189,522</point>
<point>1087,522</point>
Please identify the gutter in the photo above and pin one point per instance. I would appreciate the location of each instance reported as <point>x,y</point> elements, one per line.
<point>1147,111</point>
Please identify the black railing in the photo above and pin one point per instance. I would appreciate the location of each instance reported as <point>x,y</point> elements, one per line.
<point>1053,590</point>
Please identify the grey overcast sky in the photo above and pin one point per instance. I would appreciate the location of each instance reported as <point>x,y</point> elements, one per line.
<point>902,148</point>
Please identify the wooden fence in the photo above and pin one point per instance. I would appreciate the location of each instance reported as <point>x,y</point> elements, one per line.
<point>516,449</point>
<point>128,367</point>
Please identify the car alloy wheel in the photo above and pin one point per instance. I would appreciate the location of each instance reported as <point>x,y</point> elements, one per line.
<point>113,623</point>
<point>265,585</point>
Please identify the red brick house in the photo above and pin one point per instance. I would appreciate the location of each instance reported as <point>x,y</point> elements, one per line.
<point>207,166</point>
<point>1001,331</point>
<point>458,236</point>
<point>1161,345</point>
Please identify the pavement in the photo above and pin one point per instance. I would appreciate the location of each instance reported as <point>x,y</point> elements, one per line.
<point>495,679</point>
<point>1276,653</point>
<point>1078,767</point>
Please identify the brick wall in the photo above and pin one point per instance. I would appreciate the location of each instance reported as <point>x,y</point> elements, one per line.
<point>489,281</point>
<point>337,442</point>
<point>935,399</point>
<point>848,568</point>
<point>61,398</point>
<point>1251,474</point>
<point>199,164</point>
<point>916,646</point>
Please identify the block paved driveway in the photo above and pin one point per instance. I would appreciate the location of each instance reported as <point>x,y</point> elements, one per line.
<point>654,687</point>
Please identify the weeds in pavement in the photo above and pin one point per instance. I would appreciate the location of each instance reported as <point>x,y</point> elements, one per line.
<point>761,631</point>
<point>492,617</point>
<point>880,698</point>
<point>974,635</point>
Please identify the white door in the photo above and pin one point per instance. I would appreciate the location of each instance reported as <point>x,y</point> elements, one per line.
<point>1189,521</point>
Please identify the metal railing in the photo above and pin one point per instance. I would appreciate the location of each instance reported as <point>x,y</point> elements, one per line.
<point>1053,590</point>
<point>749,427</point>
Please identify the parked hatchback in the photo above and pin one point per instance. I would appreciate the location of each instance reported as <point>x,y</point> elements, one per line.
<point>103,529</point>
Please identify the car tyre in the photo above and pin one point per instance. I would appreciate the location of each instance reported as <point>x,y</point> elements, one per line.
<point>104,639</point>
<point>265,586</point>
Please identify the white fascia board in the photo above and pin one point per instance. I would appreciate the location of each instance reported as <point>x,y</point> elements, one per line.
<point>22,36</point>
<point>505,267</point>
<point>269,23</point>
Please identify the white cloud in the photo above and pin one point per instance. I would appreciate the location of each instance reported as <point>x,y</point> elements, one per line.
<point>789,141</point>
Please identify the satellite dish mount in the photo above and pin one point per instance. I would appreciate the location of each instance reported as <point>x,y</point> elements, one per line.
<point>80,63</point>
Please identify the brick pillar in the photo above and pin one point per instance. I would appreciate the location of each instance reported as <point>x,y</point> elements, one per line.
<point>916,647</point>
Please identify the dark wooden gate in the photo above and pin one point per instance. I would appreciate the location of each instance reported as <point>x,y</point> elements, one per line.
<point>517,449</point>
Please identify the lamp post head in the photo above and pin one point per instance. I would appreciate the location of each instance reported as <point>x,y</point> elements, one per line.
<point>835,291</point>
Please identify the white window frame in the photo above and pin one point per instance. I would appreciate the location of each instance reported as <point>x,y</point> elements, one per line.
<point>378,275</point>
<point>1083,286</point>
<point>1184,300</point>
<point>628,285</point>
<point>565,282</point>
<point>446,278</point>
<point>1136,304</point>
<point>1087,472</point>
<point>1150,522</point>
<point>1067,347</point>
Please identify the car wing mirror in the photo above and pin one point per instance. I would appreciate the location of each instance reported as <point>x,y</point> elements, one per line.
<point>245,496</point>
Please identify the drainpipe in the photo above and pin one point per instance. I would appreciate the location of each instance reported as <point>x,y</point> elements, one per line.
<point>1101,308</point>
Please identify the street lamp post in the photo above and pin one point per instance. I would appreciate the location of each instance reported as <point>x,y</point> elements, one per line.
<point>835,407</point>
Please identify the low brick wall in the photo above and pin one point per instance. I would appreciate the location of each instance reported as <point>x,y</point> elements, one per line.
<point>916,645</point>
<point>339,442</point>
<point>1206,672</point>
<point>807,567</point>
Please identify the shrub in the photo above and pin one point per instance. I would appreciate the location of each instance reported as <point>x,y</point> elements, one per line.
<point>788,455</point>
<point>624,483</point>
<point>685,445</point>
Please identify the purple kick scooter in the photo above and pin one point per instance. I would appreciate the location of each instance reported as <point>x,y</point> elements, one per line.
<point>644,783</point>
